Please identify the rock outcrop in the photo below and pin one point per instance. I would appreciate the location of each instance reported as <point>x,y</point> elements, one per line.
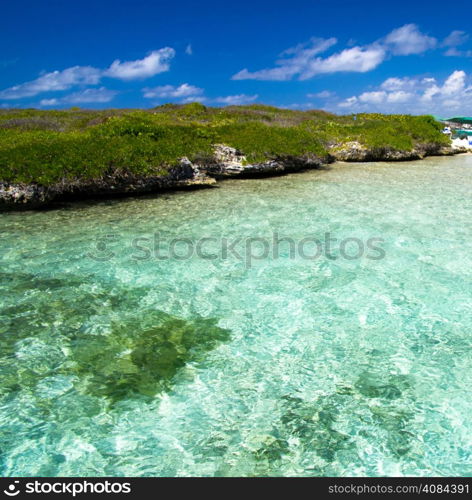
<point>230,162</point>
<point>24,195</point>
<point>182,175</point>
<point>356,152</point>
<point>225,162</point>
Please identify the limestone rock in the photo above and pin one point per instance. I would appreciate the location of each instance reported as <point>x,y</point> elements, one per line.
<point>230,162</point>
<point>24,195</point>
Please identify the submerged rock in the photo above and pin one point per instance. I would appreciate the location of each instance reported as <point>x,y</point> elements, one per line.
<point>129,361</point>
<point>60,331</point>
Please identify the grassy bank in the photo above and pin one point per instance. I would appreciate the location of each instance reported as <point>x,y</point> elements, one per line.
<point>50,147</point>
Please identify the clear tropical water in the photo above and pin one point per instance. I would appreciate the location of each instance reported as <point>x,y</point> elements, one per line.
<point>138,366</point>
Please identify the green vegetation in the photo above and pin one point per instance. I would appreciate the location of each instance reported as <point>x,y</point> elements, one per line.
<point>50,147</point>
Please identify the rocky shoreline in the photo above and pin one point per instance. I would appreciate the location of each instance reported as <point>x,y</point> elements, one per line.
<point>356,152</point>
<point>226,162</point>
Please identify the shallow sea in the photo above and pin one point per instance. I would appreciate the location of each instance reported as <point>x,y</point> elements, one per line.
<point>215,332</point>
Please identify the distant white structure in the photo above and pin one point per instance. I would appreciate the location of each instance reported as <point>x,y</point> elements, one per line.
<point>462,143</point>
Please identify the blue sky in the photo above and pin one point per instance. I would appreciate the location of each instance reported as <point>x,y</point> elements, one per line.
<point>344,56</point>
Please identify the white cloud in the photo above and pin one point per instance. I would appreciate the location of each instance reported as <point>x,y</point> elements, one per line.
<point>186,93</point>
<point>295,61</point>
<point>409,40</point>
<point>393,83</point>
<point>455,38</point>
<point>303,61</point>
<point>156,62</point>
<point>349,102</point>
<point>415,95</point>
<point>453,52</point>
<point>171,91</point>
<point>324,94</point>
<point>54,81</point>
<point>399,96</point>
<point>373,97</point>
<point>91,95</point>
<point>189,50</point>
<point>234,100</point>
<point>49,102</point>
<point>454,84</point>
<point>193,98</point>
<point>356,60</point>
<point>299,105</point>
<point>100,95</point>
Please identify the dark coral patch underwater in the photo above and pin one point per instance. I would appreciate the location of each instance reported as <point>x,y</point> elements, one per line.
<point>48,331</point>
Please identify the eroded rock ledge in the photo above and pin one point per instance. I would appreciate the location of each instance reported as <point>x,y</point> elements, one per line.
<point>357,152</point>
<point>27,196</point>
<point>226,162</point>
<point>229,162</point>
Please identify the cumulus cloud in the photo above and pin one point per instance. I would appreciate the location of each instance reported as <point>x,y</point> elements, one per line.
<point>373,97</point>
<point>455,84</point>
<point>304,66</point>
<point>54,81</point>
<point>452,41</point>
<point>294,61</point>
<point>304,61</point>
<point>356,60</point>
<point>399,96</point>
<point>100,95</point>
<point>415,95</point>
<point>171,91</point>
<point>395,83</point>
<point>189,50</point>
<point>156,62</point>
<point>234,100</point>
<point>455,38</point>
<point>409,40</point>
<point>350,102</point>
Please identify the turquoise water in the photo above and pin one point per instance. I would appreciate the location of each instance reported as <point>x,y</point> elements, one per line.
<point>135,365</point>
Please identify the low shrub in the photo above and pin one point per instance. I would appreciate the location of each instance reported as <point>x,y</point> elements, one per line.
<point>48,147</point>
